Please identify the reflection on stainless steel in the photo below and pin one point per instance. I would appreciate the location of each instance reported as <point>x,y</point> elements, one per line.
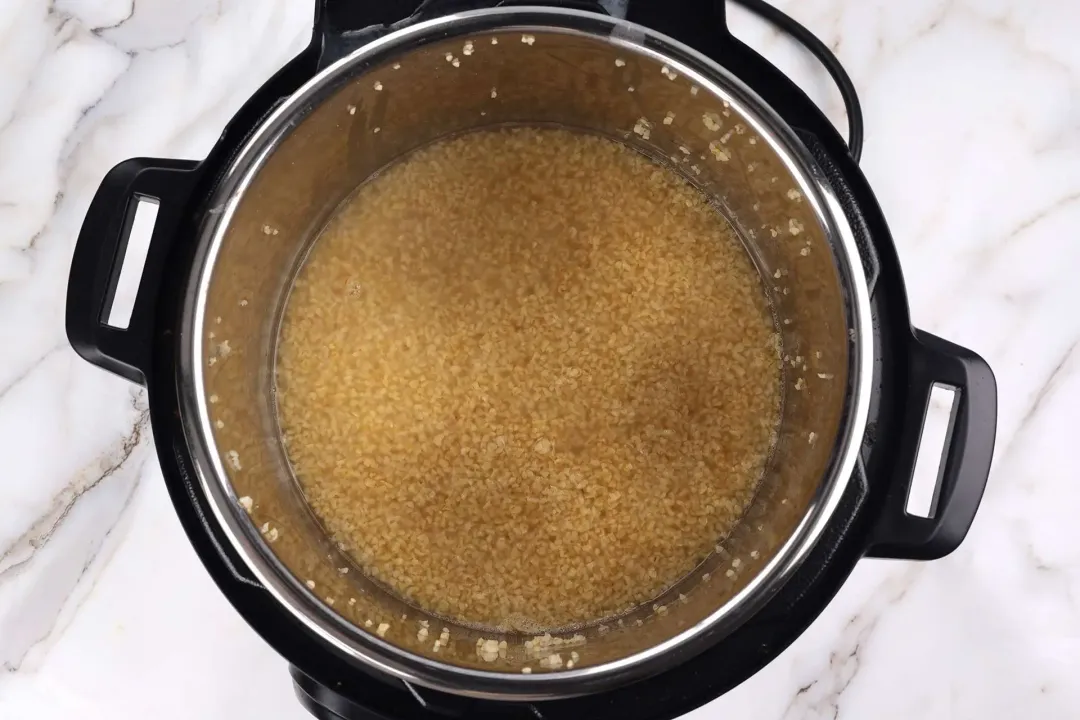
<point>615,7</point>
<point>491,68</point>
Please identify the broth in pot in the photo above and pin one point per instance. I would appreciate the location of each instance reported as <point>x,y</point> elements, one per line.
<point>528,378</point>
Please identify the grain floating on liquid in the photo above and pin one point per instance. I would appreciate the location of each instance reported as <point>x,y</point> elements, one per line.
<point>529,378</point>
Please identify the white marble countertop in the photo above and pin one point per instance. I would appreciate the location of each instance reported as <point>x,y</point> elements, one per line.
<point>973,147</point>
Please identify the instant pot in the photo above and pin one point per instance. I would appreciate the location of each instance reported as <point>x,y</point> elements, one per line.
<point>381,80</point>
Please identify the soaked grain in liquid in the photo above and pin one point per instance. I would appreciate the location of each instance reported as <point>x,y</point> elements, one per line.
<point>528,377</point>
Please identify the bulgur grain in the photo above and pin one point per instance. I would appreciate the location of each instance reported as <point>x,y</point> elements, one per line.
<point>556,391</point>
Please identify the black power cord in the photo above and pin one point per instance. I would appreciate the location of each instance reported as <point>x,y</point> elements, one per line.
<point>825,56</point>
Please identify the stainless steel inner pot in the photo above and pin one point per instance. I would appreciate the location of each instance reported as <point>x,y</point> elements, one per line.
<point>482,69</point>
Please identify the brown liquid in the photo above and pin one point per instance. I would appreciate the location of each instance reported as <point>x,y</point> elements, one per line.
<point>528,378</point>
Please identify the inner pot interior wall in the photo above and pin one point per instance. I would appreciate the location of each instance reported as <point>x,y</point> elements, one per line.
<point>386,110</point>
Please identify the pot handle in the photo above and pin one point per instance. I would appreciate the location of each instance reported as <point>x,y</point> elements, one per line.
<point>99,257</point>
<point>969,448</point>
